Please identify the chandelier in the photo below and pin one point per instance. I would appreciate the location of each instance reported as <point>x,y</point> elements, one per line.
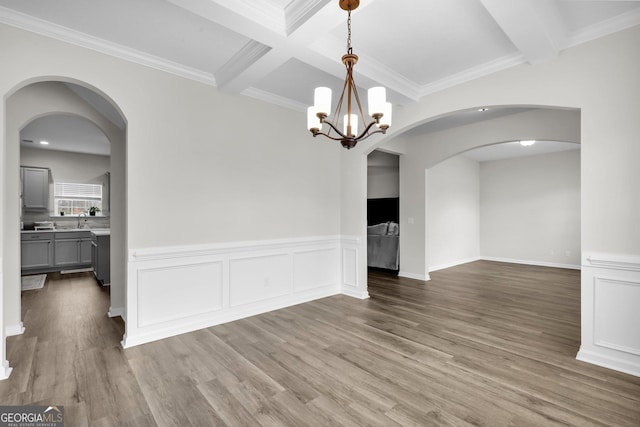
<point>379,108</point>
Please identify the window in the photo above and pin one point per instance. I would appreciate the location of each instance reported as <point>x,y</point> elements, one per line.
<point>73,199</point>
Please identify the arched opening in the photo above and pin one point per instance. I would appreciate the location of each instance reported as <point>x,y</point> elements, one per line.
<point>43,100</point>
<point>433,141</point>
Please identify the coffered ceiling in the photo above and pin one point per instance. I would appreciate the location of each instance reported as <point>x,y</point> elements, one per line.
<point>279,50</point>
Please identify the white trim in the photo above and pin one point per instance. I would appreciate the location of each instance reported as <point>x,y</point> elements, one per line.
<point>212,319</point>
<point>424,278</point>
<point>612,261</point>
<point>298,12</point>
<point>13,330</point>
<point>58,32</point>
<point>609,362</point>
<point>173,252</point>
<point>116,312</point>
<point>609,319</point>
<point>248,55</point>
<point>529,262</point>
<point>174,290</point>
<point>604,28</point>
<point>5,370</point>
<point>355,293</point>
<point>476,72</point>
<point>271,98</point>
<point>452,264</point>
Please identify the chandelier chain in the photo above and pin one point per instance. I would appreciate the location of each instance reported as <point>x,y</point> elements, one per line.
<point>349,49</point>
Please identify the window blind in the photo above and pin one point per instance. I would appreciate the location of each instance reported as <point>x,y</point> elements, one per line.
<point>79,191</point>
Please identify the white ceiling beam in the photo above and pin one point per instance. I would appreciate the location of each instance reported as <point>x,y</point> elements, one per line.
<point>304,35</point>
<point>533,26</point>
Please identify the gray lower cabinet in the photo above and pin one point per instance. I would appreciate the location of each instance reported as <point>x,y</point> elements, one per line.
<point>100,258</point>
<point>72,249</point>
<point>85,250</point>
<point>54,251</point>
<point>36,251</point>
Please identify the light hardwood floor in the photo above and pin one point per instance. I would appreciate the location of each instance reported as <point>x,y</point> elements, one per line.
<point>482,344</point>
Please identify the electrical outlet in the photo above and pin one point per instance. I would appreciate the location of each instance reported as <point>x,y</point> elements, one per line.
<point>567,253</point>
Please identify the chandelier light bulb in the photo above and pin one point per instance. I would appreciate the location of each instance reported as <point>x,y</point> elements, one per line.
<point>354,125</point>
<point>385,120</point>
<point>322,100</point>
<point>377,97</point>
<point>313,121</point>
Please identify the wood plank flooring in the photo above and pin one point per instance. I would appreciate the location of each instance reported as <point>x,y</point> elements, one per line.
<point>482,344</point>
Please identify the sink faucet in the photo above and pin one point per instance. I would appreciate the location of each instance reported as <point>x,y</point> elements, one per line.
<point>81,215</point>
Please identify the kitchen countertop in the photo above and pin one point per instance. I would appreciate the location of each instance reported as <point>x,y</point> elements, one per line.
<point>96,231</point>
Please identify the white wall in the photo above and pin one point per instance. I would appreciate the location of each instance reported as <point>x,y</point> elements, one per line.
<point>600,79</point>
<point>428,150</point>
<point>189,150</point>
<point>383,175</point>
<point>453,212</point>
<point>530,209</point>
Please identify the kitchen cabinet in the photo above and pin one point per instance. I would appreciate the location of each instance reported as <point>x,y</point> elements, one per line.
<point>35,188</point>
<point>36,251</point>
<point>72,249</point>
<point>100,257</point>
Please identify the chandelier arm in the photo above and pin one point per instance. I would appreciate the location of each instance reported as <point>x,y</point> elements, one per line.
<point>365,133</point>
<point>330,137</point>
<point>342,135</point>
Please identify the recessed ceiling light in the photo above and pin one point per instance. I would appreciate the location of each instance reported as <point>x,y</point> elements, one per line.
<point>482,109</point>
<point>527,143</point>
<point>44,142</point>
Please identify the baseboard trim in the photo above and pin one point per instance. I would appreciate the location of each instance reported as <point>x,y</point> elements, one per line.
<point>5,370</point>
<point>529,262</point>
<point>116,312</point>
<point>355,293</point>
<point>609,362</point>
<point>226,316</point>
<point>453,264</point>
<point>424,278</point>
<point>14,330</point>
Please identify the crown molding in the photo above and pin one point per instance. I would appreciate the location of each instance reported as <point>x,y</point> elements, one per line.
<point>64,34</point>
<point>248,55</point>
<point>473,73</point>
<point>604,28</point>
<point>274,99</point>
<point>298,12</point>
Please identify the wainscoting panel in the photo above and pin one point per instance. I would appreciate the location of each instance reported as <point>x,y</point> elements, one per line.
<point>259,278</point>
<point>610,314</point>
<point>173,290</point>
<point>310,268</point>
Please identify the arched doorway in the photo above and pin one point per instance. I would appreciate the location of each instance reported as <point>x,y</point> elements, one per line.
<point>38,98</point>
<point>434,141</point>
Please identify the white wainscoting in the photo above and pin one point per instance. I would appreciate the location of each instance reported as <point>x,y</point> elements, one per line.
<point>611,312</point>
<point>5,370</point>
<point>180,289</point>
